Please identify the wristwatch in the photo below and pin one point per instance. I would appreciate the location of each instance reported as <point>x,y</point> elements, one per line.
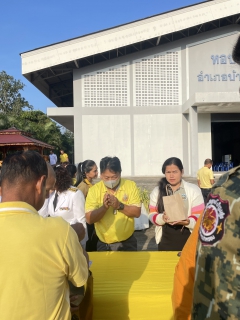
<point>121,206</point>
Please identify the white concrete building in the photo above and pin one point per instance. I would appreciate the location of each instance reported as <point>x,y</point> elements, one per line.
<point>148,90</point>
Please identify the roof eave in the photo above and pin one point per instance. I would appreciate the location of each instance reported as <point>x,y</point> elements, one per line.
<point>128,34</point>
<point>115,27</point>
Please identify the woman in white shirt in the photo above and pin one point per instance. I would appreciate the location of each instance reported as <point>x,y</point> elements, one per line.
<point>67,201</point>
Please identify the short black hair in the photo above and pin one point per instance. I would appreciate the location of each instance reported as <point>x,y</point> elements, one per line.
<point>23,166</point>
<point>208,161</point>
<point>111,164</point>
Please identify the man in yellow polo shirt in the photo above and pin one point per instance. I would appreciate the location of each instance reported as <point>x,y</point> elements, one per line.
<point>38,255</point>
<point>112,204</point>
<point>205,179</point>
<point>63,157</point>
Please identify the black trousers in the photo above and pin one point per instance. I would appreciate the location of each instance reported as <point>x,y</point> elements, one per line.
<point>129,244</point>
<point>205,193</point>
<point>91,244</point>
<point>173,238</point>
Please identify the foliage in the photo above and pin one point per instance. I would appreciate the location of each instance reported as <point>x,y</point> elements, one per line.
<point>41,127</point>
<point>11,100</point>
<point>145,198</point>
<point>16,112</point>
<point>67,144</point>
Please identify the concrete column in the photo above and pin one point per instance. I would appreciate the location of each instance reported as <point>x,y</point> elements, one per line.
<point>131,118</point>
<point>185,144</point>
<point>78,136</point>
<point>193,121</point>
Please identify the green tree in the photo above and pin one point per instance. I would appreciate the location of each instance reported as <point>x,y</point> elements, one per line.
<point>68,144</point>
<point>42,128</point>
<point>11,100</point>
<point>6,121</point>
<point>15,111</point>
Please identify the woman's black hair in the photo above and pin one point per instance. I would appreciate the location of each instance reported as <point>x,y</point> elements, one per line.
<point>71,168</point>
<point>163,181</point>
<point>63,179</point>
<point>83,168</point>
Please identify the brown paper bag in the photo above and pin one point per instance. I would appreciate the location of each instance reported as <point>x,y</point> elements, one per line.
<point>174,207</point>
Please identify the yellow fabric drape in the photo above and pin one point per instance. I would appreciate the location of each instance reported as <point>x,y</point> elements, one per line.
<point>133,285</point>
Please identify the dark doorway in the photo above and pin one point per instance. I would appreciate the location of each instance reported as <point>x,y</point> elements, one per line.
<point>226,141</point>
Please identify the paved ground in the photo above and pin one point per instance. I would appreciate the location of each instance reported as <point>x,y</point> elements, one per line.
<point>146,240</point>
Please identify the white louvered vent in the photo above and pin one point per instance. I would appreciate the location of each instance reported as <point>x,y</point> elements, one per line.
<point>156,80</point>
<point>106,88</point>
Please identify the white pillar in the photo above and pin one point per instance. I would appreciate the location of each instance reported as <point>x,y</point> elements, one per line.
<point>77,111</point>
<point>193,121</point>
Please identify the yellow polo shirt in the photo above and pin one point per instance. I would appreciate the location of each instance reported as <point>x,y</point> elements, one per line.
<point>63,157</point>
<point>205,175</point>
<point>113,227</point>
<point>38,257</point>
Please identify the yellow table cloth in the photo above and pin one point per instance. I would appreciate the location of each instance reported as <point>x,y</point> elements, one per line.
<point>133,285</point>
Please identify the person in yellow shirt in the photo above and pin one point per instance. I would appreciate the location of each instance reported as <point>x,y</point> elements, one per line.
<point>205,179</point>
<point>63,157</point>
<point>112,204</point>
<point>38,255</point>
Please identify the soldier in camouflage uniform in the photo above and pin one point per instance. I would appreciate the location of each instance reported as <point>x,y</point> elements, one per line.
<point>217,278</point>
<point>216,289</point>
<point>215,292</point>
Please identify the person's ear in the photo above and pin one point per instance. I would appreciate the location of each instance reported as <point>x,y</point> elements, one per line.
<point>41,183</point>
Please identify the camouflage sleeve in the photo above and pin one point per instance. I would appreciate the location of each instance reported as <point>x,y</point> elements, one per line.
<point>217,276</point>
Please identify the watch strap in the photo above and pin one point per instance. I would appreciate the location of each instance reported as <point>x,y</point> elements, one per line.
<point>121,206</point>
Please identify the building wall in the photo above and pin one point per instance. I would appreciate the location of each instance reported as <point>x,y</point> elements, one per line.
<point>156,138</point>
<point>210,64</point>
<point>204,138</point>
<point>108,135</point>
<point>131,107</point>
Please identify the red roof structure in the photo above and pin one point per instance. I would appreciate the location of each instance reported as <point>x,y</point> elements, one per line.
<point>13,139</point>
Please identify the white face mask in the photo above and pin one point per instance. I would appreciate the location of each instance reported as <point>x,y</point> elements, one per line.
<point>111,183</point>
